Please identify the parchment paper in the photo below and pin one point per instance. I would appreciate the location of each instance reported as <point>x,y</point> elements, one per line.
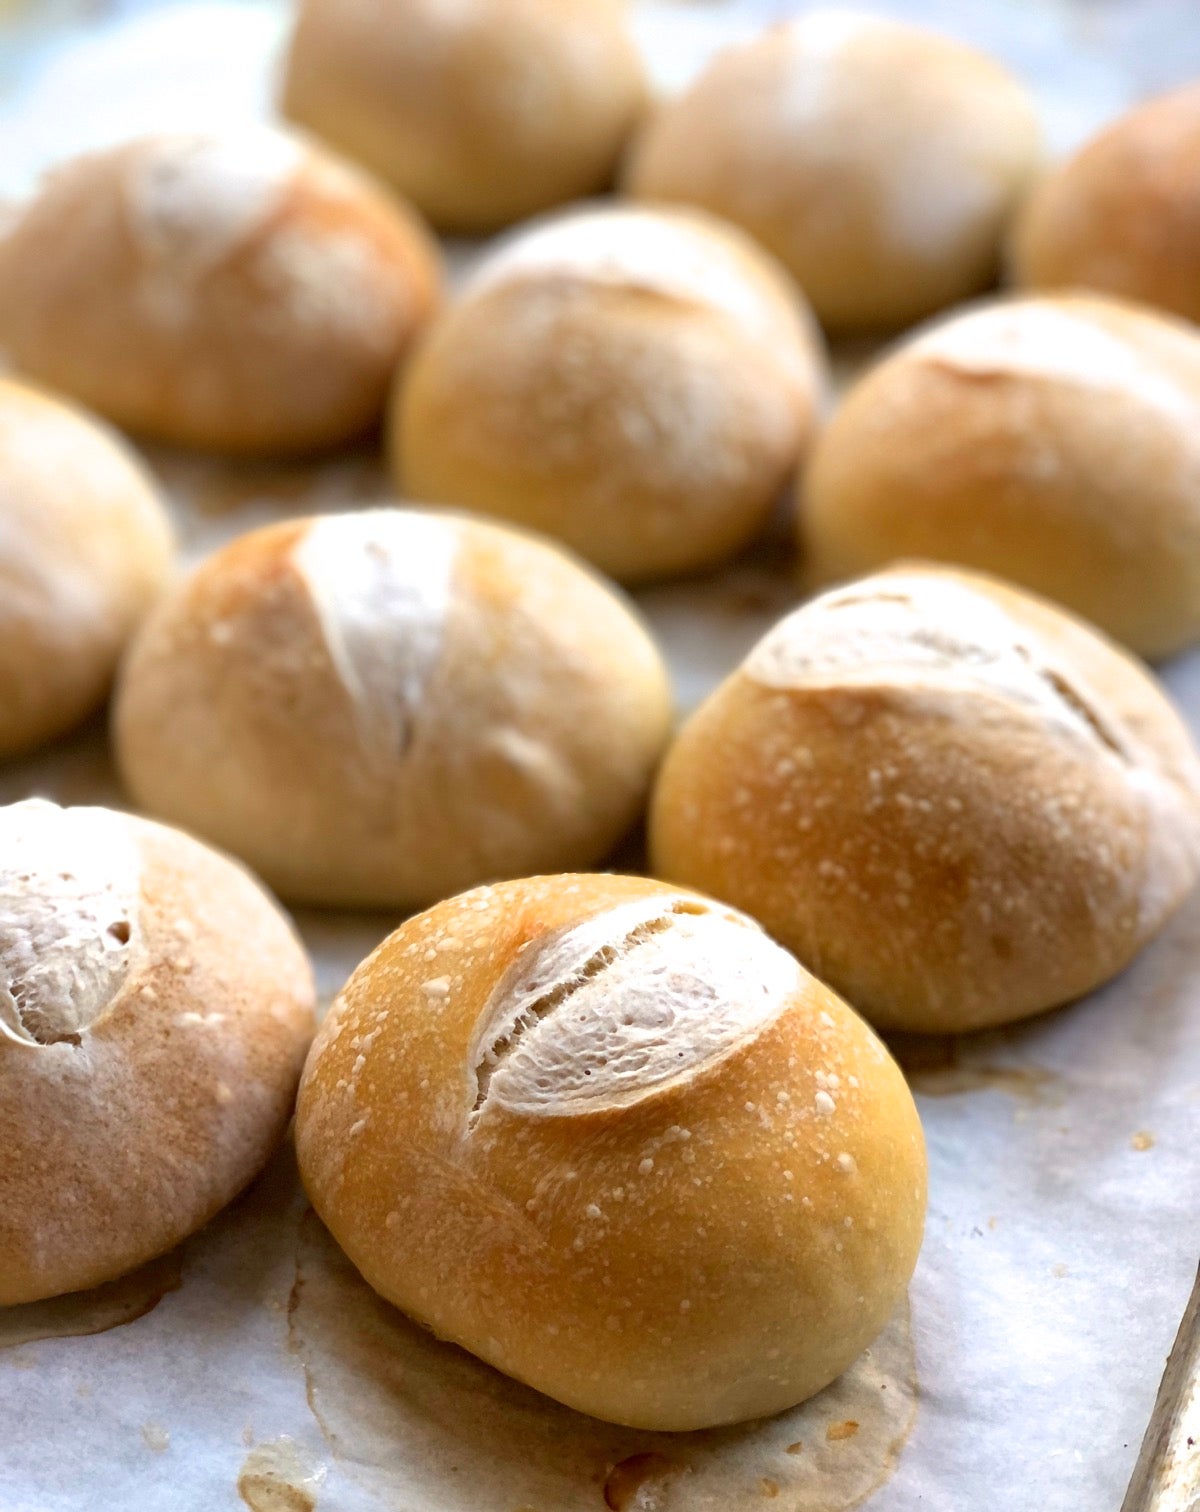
<point>252,1367</point>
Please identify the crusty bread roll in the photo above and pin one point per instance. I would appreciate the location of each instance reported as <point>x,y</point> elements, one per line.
<point>639,384</point>
<point>1123,214</point>
<point>481,112</point>
<point>384,707</point>
<point>241,292</point>
<point>1053,441</point>
<point>612,1139</point>
<point>880,162</point>
<point>85,549</point>
<point>955,803</point>
<point>155,1008</point>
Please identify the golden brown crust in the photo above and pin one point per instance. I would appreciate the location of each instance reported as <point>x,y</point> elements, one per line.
<point>714,1248</point>
<point>242,294</point>
<point>879,162</point>
<point>1123,214</point>
<point>511,714</point>
<point>1052,441</point>
<point>952,842</point>
<point>85,549</point>
<point>482,114</point>
<point>645,405</point>
<point>121,1144</point>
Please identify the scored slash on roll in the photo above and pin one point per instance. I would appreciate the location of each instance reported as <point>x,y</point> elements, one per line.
<point>1167,1475</point>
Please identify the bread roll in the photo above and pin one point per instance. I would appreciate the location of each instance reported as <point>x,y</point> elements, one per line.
<point>481,112</point>
<point>1054,442</point>
<point>638,384</point>
<point>85,549</point>
<point>1123,214</point>
<point>381,708</point>
<point>240,292</point>
<point>956,804</point>
<point>611,1139</point>
<point>155,1008</point>
<point>878,161</point>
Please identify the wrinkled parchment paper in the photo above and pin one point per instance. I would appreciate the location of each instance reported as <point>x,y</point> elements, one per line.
<point>252,1367</point>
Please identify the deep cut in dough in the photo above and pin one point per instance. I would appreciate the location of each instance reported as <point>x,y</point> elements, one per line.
<point>239,292</point>
<point>881,163</point>
<point>155,1008</point>
<point>382,707</point>
<point>612,1139</point>
<point>638,383</point>
<point>1053,441</point>
<point>957,805</point>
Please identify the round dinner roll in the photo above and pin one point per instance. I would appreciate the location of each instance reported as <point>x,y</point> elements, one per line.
<point>155,1008</point>
<point>1052,441</point>
<point>956,804</point>
<point>481,111</point>
<point>613,1140</point>
<point>639,384</point>
<point>85,549</point>
<point>880,162</point>
<point>240,292</point>
<point>381,708</point>
<point>1123,214</point>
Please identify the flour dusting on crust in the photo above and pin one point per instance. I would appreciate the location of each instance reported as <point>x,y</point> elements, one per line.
<point>70,883</point>
<point>192,199</point>
<point>651,250</point>
<point>910,630</point>
<point>381,584</point>
<point>611,1010</point>
<point>1034,339</point>
<point>933,182</point>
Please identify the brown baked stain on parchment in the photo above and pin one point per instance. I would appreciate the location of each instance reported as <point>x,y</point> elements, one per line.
<point>945,1065</point>
<point>630,1478</point>
<point>92,1312</point>
<point>409,1416</point>
<point>280,1476</point>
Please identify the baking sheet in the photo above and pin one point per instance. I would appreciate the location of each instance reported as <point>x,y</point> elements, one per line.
<point>252,1367</point>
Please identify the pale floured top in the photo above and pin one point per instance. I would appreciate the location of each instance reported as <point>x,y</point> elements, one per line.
<point>824,36</point>
<point>932,183</point>
<point>636,249</point>
<point>70,884</point>
<point>922,633</point>
<point>192,199</point>
<point>913,631</point>
<point>381,583</point>
<point>1036,339</point>
<point>613,1009</point>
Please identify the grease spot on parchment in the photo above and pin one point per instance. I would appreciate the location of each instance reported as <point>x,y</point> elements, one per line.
<point>280,1476</point>
<point>93,1312</point>
<point>943,1065</point>
<point>1142,1141</point>
<point>156,1437</point>
<point>408,1415</point>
